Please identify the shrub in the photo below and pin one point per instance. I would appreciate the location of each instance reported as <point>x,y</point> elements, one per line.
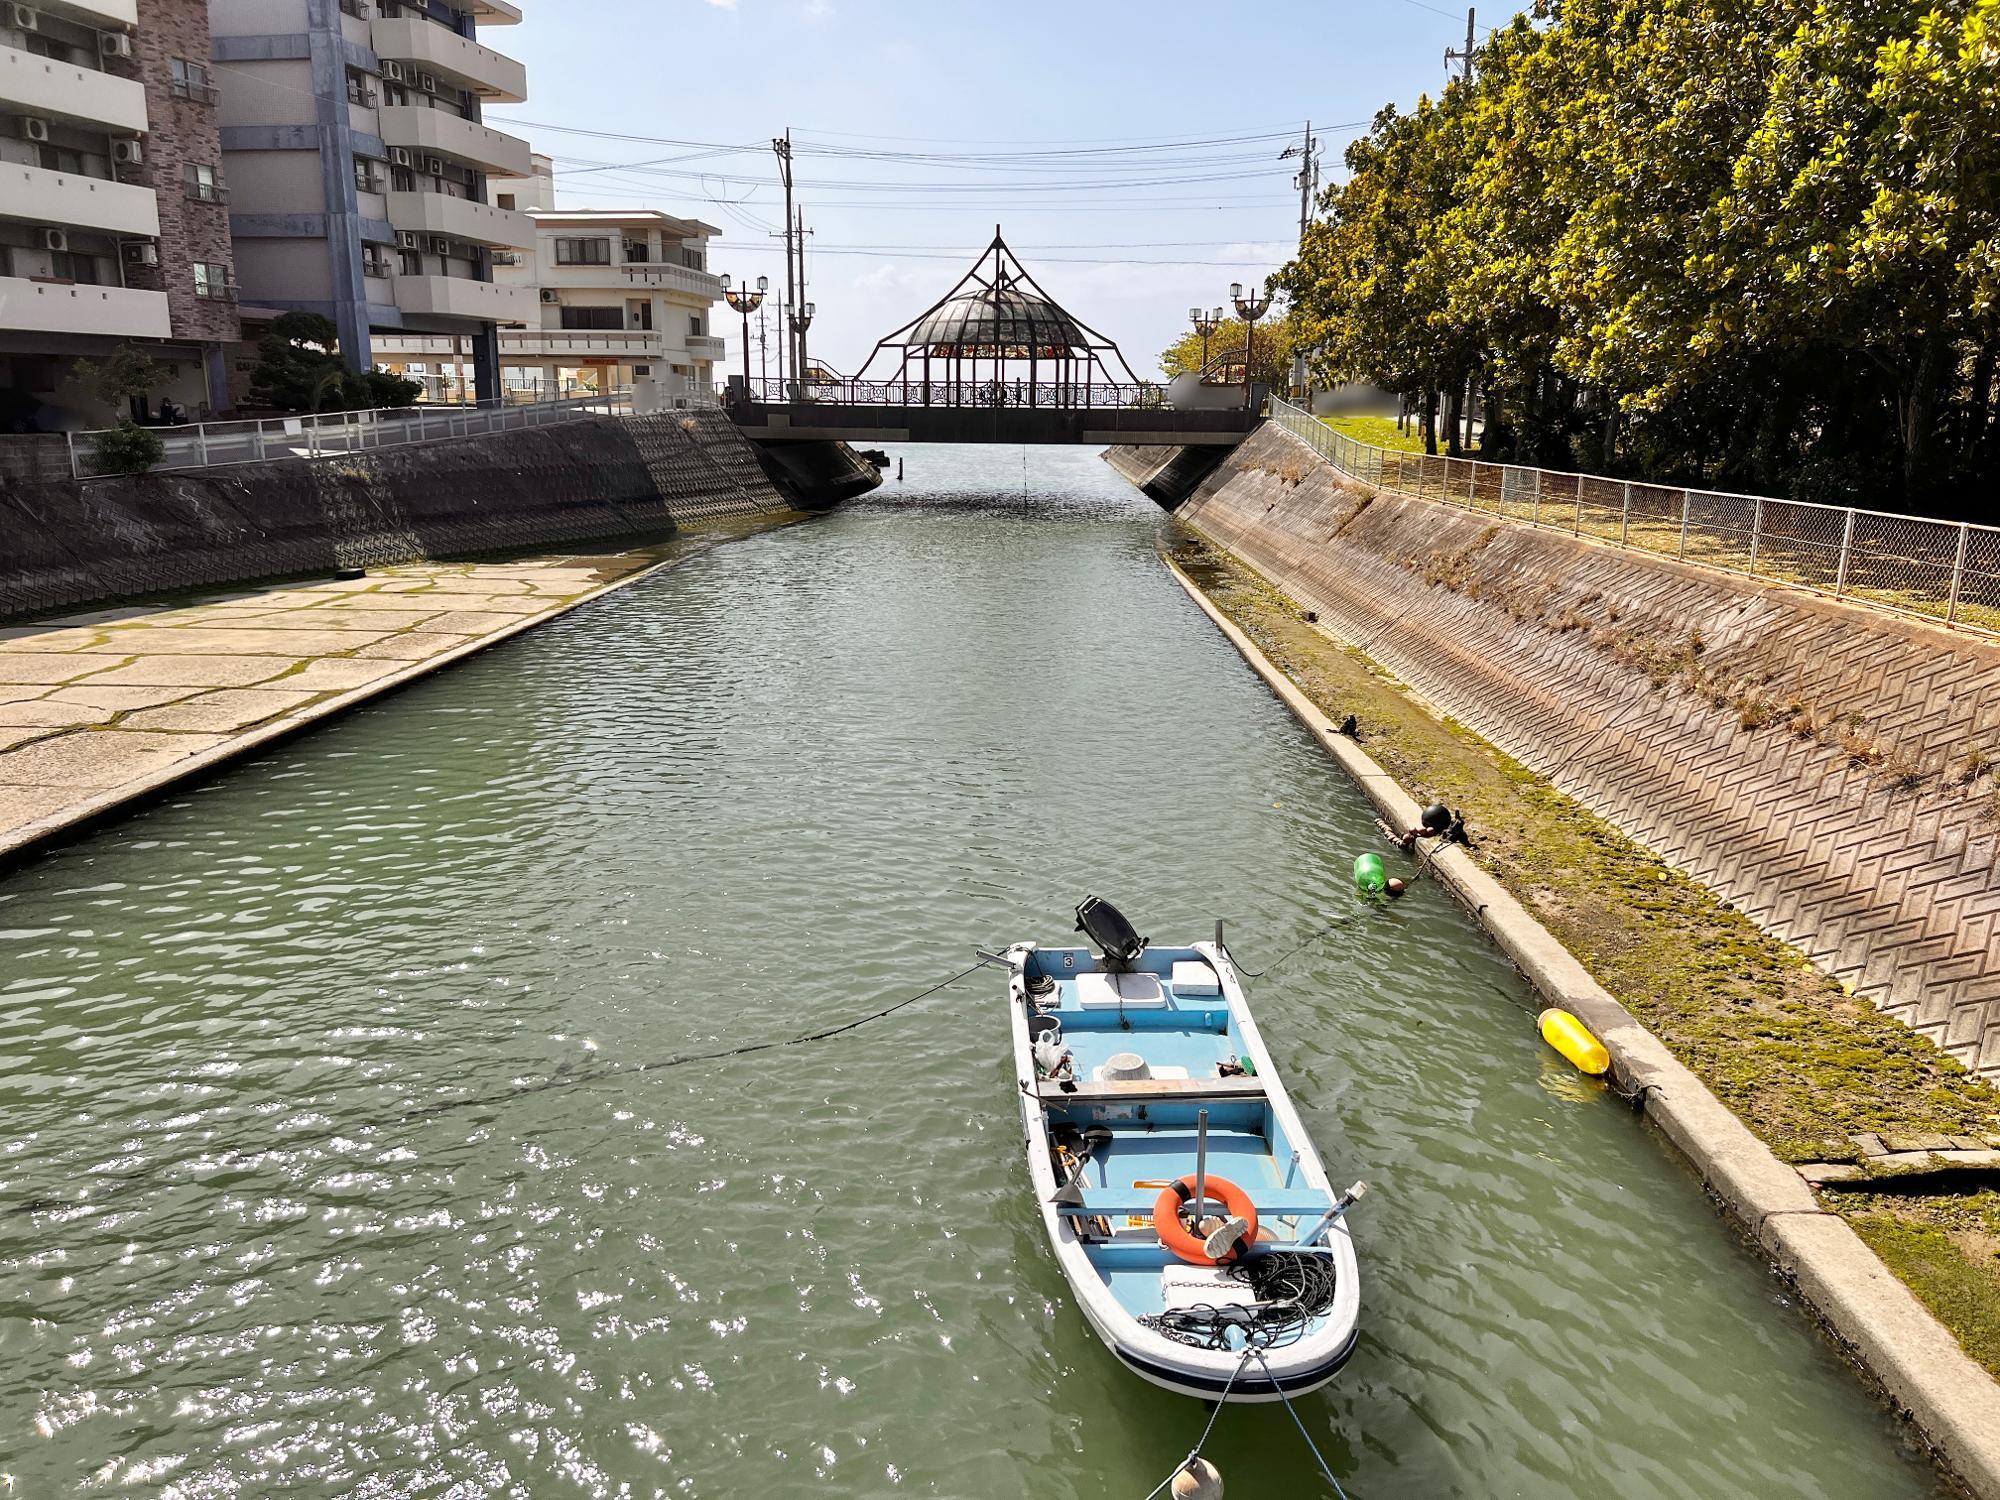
<point>128,448</point>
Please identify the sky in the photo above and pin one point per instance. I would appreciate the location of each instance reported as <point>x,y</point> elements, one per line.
<point>1128,148</point>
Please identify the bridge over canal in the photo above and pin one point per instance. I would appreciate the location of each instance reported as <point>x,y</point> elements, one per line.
<point>995,360</point>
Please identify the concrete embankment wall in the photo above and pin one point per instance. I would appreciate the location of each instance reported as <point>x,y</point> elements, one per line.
<point>1826,768</point>
<point>65,543</point>
<point>1165,473</point>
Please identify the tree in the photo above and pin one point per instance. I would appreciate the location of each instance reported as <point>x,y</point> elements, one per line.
<point>1273,350</point>
<point>121,379</point>
<point>299,368</point>
<point>127,448</point>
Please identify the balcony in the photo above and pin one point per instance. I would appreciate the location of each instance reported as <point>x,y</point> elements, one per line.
<point>66,198</point>
<point>586,345</point>
<point>106,15</point>
<point>449,55</point>
<point>461,219</point>
<point>703,346</point>
<point>32,85</point>
<point>493,12</point>
<point>703,284</point>
<point>462,297</point>
<point>33,306</point>
<point>442,132</point>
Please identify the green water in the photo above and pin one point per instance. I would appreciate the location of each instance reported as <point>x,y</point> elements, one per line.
<point>331,1162</point>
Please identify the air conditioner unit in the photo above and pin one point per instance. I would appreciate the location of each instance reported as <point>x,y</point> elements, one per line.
<point>440,245</point>
<point>129,153</point>
<point>393,71</point>
<point>114,44</point>
<point>24,18</point>
<point>551,295</point>
<point>34,128</point>
<point>137,254</point>
<point>434,165</point>
<point>408,239</point>
<point>400,156</point>
<point>429,83</point>
<point>54,239</point>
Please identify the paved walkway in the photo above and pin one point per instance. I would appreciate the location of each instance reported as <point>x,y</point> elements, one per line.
<point>99,708</point>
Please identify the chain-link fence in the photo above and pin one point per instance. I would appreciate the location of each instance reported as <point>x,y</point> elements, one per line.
<point>1941,570</point>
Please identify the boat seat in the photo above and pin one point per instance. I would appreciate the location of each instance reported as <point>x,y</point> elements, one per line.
<point>1120,992</point>
<point>1135,1090</point>
<point>1272,1203</point>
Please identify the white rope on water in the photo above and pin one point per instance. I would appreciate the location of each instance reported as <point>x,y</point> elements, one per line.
<point>1299,1422</point>
<point>1195,1452</point>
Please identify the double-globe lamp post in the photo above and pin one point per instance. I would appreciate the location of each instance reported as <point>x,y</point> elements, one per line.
<point>802,319</point>
<point>746,300</point>
<point>1205,324</point>
<point>1249,309</point>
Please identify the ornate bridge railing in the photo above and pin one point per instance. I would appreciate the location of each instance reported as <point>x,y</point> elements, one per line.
<point>1040,395</point>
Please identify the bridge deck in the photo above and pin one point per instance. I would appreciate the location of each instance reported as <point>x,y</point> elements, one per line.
<point>807,422</point>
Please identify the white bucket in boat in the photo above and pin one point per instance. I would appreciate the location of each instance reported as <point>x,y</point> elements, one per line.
<point>1125,1065</point>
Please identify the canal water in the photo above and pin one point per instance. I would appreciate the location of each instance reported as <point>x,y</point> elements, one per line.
<point>342,1149</point>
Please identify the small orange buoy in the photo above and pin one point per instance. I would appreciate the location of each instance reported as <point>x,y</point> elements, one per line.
<point>1573,1040</point>
<point>1198,1481</point>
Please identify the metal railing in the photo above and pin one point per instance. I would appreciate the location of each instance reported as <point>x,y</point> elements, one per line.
<point>1937,570</point>
<point>210,445</point>
<point>963,393</point>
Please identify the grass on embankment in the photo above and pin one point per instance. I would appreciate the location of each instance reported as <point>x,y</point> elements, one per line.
<point>1381,431</point>
<point>1805,1064</point>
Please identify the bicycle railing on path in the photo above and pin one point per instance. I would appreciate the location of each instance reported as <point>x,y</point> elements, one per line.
<point>1937,570</point>
<point>210,445</point>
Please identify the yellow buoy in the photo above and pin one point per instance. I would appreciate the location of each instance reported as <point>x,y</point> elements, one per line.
<point>1573,1040</point>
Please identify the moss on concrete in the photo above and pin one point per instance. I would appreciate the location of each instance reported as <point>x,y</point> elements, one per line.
<point>1802,1061</point>
<point>1948,1252</point>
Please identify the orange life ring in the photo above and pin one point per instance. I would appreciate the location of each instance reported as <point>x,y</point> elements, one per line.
<point>1174,1234</point>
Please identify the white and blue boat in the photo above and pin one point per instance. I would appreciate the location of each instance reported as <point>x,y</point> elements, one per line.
<point>1146,1089</point>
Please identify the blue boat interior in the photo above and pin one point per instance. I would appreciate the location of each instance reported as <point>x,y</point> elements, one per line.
<point>1167,1022</point>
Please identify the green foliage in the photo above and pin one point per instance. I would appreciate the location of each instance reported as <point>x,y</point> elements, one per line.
<point>119,377</point>
<point>127,448</point>
<point>1751,246</point>
<point>300,369</point>
<point>1272,352</point>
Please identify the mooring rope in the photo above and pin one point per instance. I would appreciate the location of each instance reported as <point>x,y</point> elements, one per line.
<point>1292,952</point>
<point>1299,1422</point>
<point>1199,1443</point>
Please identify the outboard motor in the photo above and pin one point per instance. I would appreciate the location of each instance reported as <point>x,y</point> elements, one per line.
<point>1105,925</point>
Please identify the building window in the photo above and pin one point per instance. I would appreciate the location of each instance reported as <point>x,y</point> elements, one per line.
<point>359,90</point>
<point>375,262</point>
<point>413,262</point>
<point>192,81</point>
<point>367,176</point>
<point>507,200</point>
<point>212,281</point>
<point>62,159</point>
<point>583,252</point>
<point>69,265</point>
<point>203,184</point>
<point>593,317</point>
<point>694,325</point>
<point>638,252</point>
<point>693,258</point>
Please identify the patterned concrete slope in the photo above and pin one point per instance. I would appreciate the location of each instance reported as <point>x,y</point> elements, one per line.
<point>1827,768</point>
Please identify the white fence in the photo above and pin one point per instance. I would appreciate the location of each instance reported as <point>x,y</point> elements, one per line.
<point>209,445</point>
<point>1939,570</point>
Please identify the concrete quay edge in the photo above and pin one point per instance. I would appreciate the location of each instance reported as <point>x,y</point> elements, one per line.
<point>17,843</point>
<point>1950,1398</point>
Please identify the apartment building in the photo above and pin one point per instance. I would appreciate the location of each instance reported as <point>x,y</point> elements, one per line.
<point>112,227</point>
<point>358,169</point>
<point>623,298</point>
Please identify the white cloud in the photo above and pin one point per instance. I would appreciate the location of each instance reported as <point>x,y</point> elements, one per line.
<point>723,4</point>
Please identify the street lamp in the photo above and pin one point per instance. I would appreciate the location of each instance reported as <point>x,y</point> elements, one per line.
<point>745,301</point>
<point>1249,309</point>
<point>1205,324</point>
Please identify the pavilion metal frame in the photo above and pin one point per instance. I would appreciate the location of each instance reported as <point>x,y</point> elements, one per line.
<point>1071,346</point>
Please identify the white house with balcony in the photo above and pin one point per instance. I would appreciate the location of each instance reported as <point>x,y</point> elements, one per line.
<point>623,297</point>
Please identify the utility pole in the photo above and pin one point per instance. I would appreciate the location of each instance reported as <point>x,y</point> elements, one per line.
<point>805,370</point>
<point>1465,57</point>
<point>1307,182</point>
<point>782,146</point>
<point>763,353</point>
